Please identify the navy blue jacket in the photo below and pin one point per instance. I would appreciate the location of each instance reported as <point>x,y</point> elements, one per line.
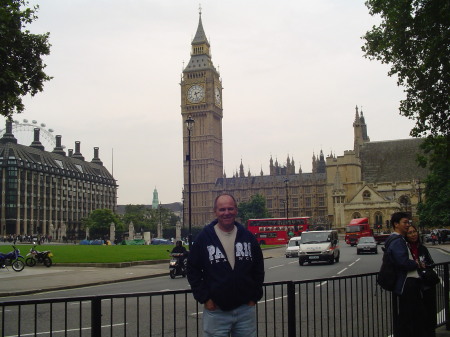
<point>211,277</point>
<point>397,249</point>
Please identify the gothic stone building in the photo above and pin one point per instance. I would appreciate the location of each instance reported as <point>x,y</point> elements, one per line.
<point>373,180</point>
<point>201,98</point>
<point>49,193</point>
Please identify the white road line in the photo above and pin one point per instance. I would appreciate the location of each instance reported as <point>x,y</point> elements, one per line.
<point>342,271</point>
<point>280,265</point>
<point>322,284</point>
<point>58,331</point>
<point>351,264</point>
<point>293,262</point>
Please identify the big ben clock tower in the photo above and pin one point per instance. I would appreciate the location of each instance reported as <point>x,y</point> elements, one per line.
<point>201,99</point>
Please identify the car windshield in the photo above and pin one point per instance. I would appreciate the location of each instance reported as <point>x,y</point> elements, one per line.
<point>293,243</point>
<point>367,239</point>
<point>353,229</point>
<point>315,237</point>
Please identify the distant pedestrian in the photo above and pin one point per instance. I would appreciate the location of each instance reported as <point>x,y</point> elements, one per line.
<point>226,273</point>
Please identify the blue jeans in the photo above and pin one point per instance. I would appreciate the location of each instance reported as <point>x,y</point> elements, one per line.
<point>240,322</point>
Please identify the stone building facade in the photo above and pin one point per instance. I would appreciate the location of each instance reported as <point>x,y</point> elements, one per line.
<point>372,180</point>
<point>375,179</point>
<point>49,193</point>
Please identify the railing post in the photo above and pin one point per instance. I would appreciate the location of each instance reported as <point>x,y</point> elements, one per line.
<point>291,309</point>
<point>446,297</point>
<point>96,317</point>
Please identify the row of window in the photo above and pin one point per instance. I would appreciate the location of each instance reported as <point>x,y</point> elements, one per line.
<point>294,202</point>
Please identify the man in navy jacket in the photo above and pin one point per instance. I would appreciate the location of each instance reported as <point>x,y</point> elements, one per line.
<point>226,273</point>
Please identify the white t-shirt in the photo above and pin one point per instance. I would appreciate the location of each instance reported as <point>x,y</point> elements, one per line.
<point>227,240</point>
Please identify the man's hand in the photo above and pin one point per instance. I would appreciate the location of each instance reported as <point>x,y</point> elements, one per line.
<point>210,305</point>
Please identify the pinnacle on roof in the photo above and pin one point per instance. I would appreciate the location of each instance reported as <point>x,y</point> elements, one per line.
<point>200,36</point>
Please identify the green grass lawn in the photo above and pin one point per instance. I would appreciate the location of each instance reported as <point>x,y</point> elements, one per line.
<point>98,254</point>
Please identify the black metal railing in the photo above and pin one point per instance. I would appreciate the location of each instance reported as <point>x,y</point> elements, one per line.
<point>339,306</point>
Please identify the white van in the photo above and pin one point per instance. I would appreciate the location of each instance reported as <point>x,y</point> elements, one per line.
<point>319,246</point>
<point>292,247</point>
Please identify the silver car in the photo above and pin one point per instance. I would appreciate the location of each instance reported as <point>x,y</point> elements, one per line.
<point>367,244</point>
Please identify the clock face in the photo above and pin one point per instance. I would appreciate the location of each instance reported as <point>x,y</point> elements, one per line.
<point>217,96</point>
<point>195,93</point>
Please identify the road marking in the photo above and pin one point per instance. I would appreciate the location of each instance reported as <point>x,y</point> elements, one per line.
<point>58,331</point>
<point>280,265</point>
<point>293,262</point>
<point>322,284</point>
<point>351,264</point>
<point>342,271</point>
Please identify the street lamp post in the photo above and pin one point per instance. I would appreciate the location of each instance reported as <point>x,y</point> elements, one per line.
<point>287,197</point>
<point>189,124</point>
<point>160,234</point>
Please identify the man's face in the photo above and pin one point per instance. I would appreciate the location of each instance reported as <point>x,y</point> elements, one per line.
<point>403,226</point>
<point>226,212</point>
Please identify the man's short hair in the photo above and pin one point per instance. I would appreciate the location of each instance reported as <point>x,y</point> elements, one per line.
<point>397,216</point>
<point>220,195</point>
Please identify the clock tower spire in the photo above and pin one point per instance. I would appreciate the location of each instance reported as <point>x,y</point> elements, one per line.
<point>201,98</point>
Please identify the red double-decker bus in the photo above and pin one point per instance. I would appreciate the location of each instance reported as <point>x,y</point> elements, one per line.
<point>275,231</point>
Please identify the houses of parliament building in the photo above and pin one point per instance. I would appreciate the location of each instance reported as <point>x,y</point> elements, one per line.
<point>366,181</point>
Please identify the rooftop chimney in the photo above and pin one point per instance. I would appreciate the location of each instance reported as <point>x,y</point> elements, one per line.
<point>96,159</point>
<point>77,154</point>
<point>58,148</point>
<point>70,152</point>
<point>36,143</point>
<point>8,136</point>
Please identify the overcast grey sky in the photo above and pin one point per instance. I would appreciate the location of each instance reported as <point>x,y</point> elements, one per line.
<point>292,71</point>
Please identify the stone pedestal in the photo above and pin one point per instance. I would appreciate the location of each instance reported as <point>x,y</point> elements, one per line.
<point>112,232</point>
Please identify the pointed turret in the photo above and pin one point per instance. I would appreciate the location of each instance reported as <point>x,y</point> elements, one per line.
<point>364,128</point>
<point>321,165</point>
<point>155,200</point>
<point>200,50</point>
<point>358,133</point>
<point>241,170</point>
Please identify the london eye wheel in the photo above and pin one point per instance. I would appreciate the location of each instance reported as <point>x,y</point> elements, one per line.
<point>24,133</point>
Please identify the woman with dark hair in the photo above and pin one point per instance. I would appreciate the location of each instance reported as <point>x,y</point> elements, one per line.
<point>421,254</point>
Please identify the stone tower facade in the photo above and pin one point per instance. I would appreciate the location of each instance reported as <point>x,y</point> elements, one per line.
<point>201,98</point>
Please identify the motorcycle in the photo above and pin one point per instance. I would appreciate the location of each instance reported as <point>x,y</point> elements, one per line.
<point>35,256</point>
<point>177,265</point>
<point>13,259</point>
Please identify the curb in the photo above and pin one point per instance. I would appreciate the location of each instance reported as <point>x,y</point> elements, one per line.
<point>75,286</point>
<point>112,265</point>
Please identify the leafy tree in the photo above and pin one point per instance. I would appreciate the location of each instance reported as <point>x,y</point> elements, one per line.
<point>21,65</point>
<point>140,215</point>
<point>435,211</point>
<point>99,222</point>
<point>148,219</point>
<point>414,38</point>
<point>253,209</point>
